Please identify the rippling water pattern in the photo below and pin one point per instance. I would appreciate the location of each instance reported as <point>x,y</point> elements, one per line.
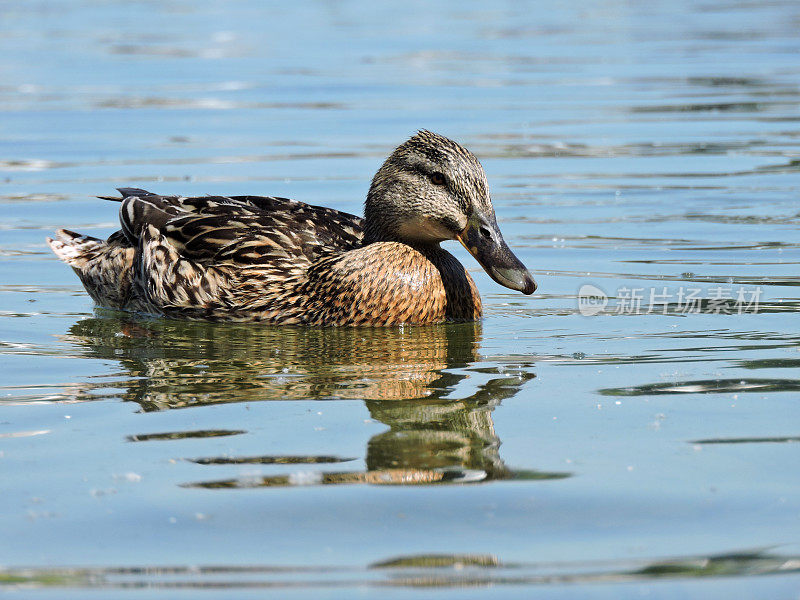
<point>630,430</point>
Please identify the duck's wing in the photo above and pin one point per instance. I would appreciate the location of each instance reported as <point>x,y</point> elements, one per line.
<point>245,230</point>
<point>318,229</point>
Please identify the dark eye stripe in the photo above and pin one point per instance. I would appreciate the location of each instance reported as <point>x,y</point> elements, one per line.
<point>457,191</point>
<point>428,174</point>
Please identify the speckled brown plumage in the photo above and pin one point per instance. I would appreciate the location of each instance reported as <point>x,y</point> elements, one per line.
<point>254,258</point>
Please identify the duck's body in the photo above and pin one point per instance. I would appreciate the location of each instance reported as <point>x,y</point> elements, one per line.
<point>281,261</point>
<point>264,259</point>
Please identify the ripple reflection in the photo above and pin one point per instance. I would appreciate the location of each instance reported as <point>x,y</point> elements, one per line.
<point>405,376</point>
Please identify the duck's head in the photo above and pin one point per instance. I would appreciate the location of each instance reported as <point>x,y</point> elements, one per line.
<point>430,190</point>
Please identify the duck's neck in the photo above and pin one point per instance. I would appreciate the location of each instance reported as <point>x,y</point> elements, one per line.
<point>384,228</point>
<point>379,225</point>
<point>385,222</point>
<point>374,233</point>
<point>426,247</point>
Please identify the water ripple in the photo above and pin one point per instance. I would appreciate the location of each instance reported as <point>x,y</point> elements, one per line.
<point>423,571</point>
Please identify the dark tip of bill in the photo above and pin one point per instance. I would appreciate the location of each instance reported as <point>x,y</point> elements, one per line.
<point>530,285</point>
<point>515,279</point>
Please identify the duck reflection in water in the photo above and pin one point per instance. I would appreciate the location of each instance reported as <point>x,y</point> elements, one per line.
<point>404,375</point>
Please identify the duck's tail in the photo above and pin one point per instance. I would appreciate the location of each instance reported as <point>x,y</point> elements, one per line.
<point>103,266</point>
<point>73,248</point>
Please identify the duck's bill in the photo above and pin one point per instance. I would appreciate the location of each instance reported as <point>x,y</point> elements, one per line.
<point>494,255</point>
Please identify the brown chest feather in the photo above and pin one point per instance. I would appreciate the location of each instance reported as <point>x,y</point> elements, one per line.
<point>389,283</point>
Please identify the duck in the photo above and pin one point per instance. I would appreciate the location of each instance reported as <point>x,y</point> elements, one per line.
<point>284,262</point>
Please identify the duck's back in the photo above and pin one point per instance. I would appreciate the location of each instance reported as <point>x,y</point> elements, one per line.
<point>186,255</point>
<point>240,229</point>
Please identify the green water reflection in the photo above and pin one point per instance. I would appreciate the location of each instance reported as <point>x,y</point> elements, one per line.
<point>405,377</point>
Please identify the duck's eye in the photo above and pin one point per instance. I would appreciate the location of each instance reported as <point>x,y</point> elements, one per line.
<point>437,178</point>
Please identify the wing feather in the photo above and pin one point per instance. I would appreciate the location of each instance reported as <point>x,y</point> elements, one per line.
<point>243,230</point>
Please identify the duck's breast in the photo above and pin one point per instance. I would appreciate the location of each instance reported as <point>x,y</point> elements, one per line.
<point>389,283</point>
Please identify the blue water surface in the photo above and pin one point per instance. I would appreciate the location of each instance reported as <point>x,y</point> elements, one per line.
<point>630,430</point>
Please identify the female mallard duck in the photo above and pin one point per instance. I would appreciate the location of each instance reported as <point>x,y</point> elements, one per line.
<point>255,258</point>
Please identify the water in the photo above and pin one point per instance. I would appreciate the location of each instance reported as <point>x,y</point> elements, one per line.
<point>648,150</point>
